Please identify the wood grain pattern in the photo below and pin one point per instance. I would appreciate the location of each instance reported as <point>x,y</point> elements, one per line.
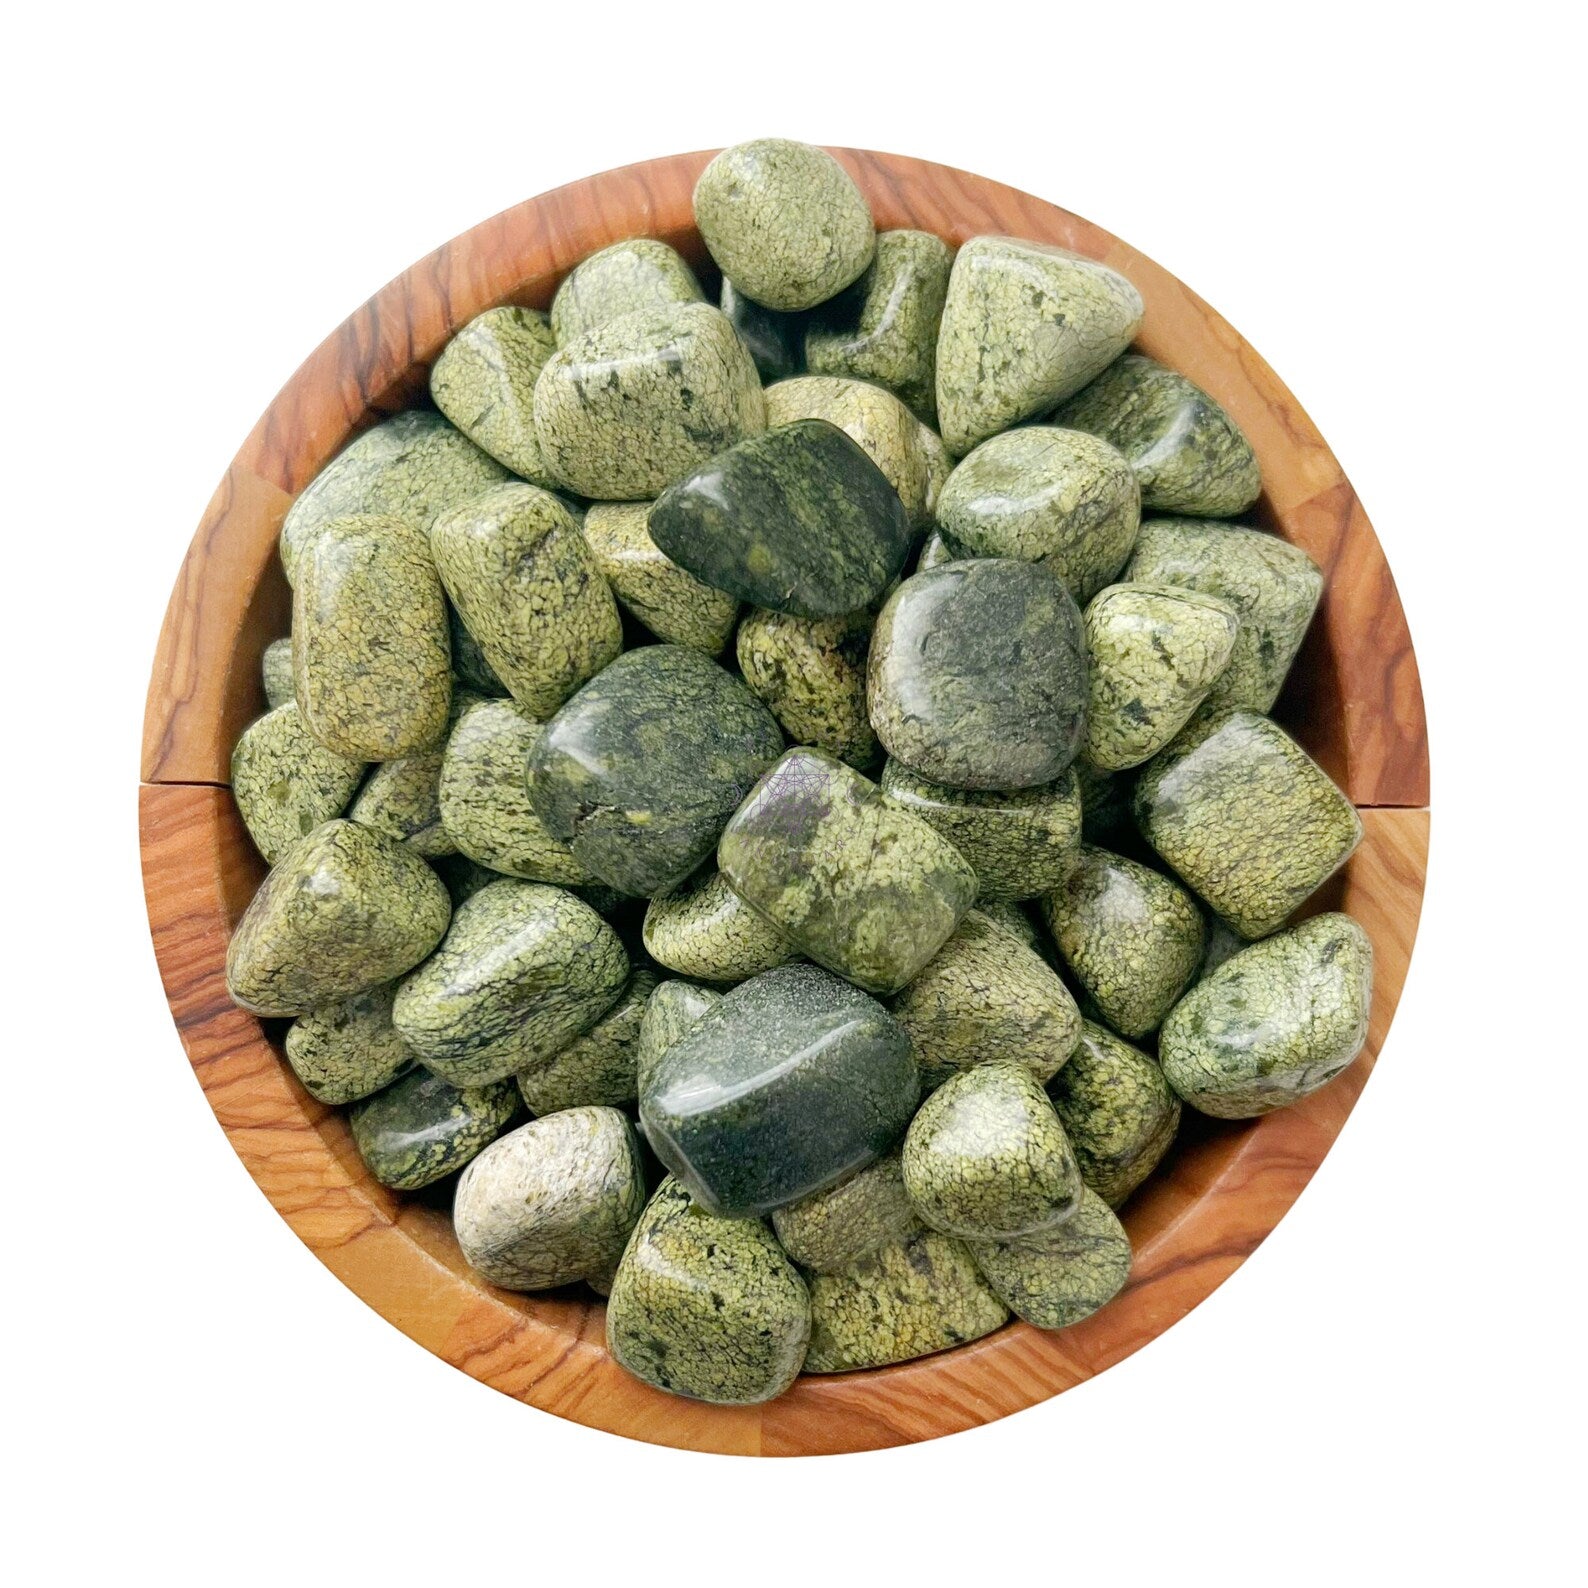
<point>1355,700</point>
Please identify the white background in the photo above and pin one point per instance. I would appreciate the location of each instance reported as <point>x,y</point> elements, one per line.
<point>1382,199</point>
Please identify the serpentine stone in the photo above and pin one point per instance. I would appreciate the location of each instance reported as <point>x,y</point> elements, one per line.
<point>402,798</point>
<point>831,1229</point>
<point>624,278</point>
<point>348,1050</point>
<point>275,670</point>
<point>774,341</point>
<point>674,1008</point>
<point>939,465</point>
<point>1011,918</point>
<point>705,930</point>
<point>286,783</point>
<point>811,672</point>
<point>599,1067</point>
<point>421,1129</point>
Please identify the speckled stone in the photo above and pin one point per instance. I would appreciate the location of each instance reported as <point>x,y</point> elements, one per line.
<point>348,1050</point>
<point>785,222</point>
<point>1156,651</point>
<point>1273,585</point>
<point>707,1307</point>
<point>986,1156</point>
<point>1274,1023</point>
<point>1105,801</point>
<point>370,653</point>
<point>852,880</point>
<point>469,666</point>
<point>484,382</point>
<point>1188,454</point>
<point>793,1081</point>
<point>673,1009</point>
<point>1063,1275</point>
<point>775,341</point>
<point>599,1067</point>
<point>484,796</point>
<point>342,911</point>
<point>552,1201</point>
<point>977,676</point>
<point>905,1300</point>
<point>934,553</point>
<point>1057,497</point>
<point>526,583</point>
<point>1246,817</point>
<point>831,1229</point>
<point>939,465</point>
<point>705,930</point>
<point>641,769</point>
<point>1019,842</point>
<point>626,409</point>
<point>624,278</point>
<point>798,519</point>
<point>986,996</point>
<point>1118,1111</point>
<point>1014,920</point>
<point>286,783</point>
<point>811,672</point>
<point>1130,936</point>
<point>420,1129</point>
<point>275,670</point>
<point>412,466</point>
<point>402,798</point>
<point>462,877</point>
<point>523,970</point>
<point>1025,325</point>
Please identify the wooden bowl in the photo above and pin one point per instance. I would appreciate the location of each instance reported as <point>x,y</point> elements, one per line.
<point>1354,701</point>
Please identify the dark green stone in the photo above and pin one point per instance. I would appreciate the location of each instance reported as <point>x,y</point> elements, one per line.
<point>599,1067</point>
<point>348,1050</point>
<point>674,1008</point>
<point>774,340</point>
<point>421,1128</point>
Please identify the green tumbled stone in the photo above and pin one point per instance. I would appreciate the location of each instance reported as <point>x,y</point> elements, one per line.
<point>704,929</point>
<point>1118,1111</point>
<point>934,553</point>
<point>799,520</point>
<point>599,1067</point>
<point>1011,918</point>
<point>342,911</point>
<point>977,676</point>
<point>707,1307</point>
<point>785,222</point>
<point>830,1229</point>
<point>1274,1023</point>
<point>286,783</point>
<point>402,798</point>
<point>775,341</point>
<point>624,278</point>
<point>1246,817</point>
<point>674,1008</point>
<point>853,881</point>
<point>641,769</point>
<point>420,1129</point>
<point>1131,937</point>
<point>522,971</point>
<point>275,670</point>
<point>1188,454</point>
<point>811,672</point>
<point>348,1050</point>
<point>939,465</point>
<point>1025,325</point>
<point>793,1081</point>
<point>551,1202</point>
<point>626,409</point>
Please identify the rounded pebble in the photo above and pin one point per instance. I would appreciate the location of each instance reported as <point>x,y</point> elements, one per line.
<point>831,1229</point>
<point>637,274</point>
<point>421,1129</point>
<point>286,783</point>
<point>705,930</point>
<point>811,672</point>
<point>348,1050</point>
<point>601,1066</point>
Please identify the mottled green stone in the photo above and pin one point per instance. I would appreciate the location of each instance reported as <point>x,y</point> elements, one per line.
<point>624,278</point>
<point>641,769</point>
<point>833,1228</point>
<point>798,519</point>
<point>286,782</point>
<point>402,798</point>
<point>1246,817</point>
<point>1025,325</point>
<point>1274,1023</point>
<point>1014,920</point>
<point>775,341</point>
<point>674,1008</point>
<point>1118,1111</point>
<point>852,880</point>
<point>599,1067</point>
<point>370,652</point>
<point>1272,585</point>
<point>350,1049</point>
<point>1062,1275</point>
<point>484,382</point>
<point>275,669</point>
<point>704,929</point>
<point>811,672</point>
<point>1188,454</point>
<point>342,911</point>
<point>522,971</point>
<point>462,876</point>
<point>552,1201</point>
<point>420,1129</point>
<point>785,222</point>
<point>934,553</point>
<point>626,409</point>
<point>939,465</point>
<point>707,1307</point>
<point>977,676</point>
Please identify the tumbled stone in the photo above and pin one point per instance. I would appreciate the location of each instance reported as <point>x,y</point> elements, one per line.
<point>799,520</point>
<point>1272,585</point>
<point>484,382</point>
<point>851,879</point>
<point>275,669</point>
<point>623,278</point>
<point>641,769</point>
<point>934,553</point>
<point>674,1008</point>
<point>707,1307</point>
<point>421,1129</point>
<point>552,1201</point>
<point>1246,817</point>
<point>626,409</point>
<point>348,1050</point>
<point>522,971</point>
<point>1062,1275</point>
<point>704,929</point>
<point>1118,1111</point>
<point>670,601</point>
<point>463,877</point>
<point>402,798</point>
<point>599,1067</point>
<point>1025,325</point>
<point>342,911</point>
<point>1188,454</point>
<point>286,783</point>
<point>939,465</point>
<point>977,676</point>
<point>793,1081</point>
<point>811,672</point>
<point>1274,1023</point>
<point>775,341</point>
<point>1011,918</point>
<point>785,222</point>
<point>1131,937</point>
<point>830,1229</point>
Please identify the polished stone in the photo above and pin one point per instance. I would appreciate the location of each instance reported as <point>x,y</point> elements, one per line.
<point>774,341</point>
<point>286,783</point>
<point>348,1050</point>
<point>811,672</point>
<point>402,798</point>
<point>831,1229</point>
<point>421,1129</point>
<point>637,274</point>
<point>705,930</point>
<point>275,670</point>
<point>470,669</point>
<point>601,1066</point>
<point>673,1008</point>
